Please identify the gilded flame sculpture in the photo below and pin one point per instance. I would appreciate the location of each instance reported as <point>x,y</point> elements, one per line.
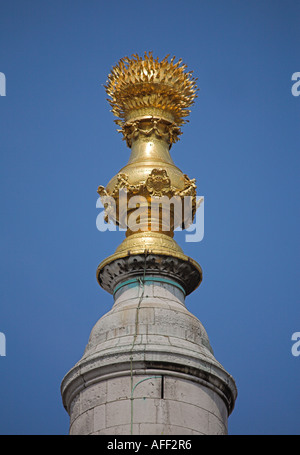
<point>141,86</point>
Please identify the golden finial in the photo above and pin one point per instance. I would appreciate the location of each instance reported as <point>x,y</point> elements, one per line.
<point>151,100</point>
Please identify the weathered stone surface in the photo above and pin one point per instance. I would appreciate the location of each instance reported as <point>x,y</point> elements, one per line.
<point>150,348</point>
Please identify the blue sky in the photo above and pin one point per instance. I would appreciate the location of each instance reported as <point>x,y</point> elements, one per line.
<point>59,142</point>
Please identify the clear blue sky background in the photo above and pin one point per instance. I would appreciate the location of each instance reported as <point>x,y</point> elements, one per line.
<point>59,142</point>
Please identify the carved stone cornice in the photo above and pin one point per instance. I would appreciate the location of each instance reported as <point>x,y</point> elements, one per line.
<point>183,272</point>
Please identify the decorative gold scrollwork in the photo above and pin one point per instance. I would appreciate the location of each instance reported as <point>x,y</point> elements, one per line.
<point>157,184</point>
<point>146,127</point>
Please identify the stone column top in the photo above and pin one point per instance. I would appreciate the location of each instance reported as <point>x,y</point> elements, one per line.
<point>184,273</point>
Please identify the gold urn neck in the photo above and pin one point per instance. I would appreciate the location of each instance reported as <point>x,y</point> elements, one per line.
<point>149,143</point>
